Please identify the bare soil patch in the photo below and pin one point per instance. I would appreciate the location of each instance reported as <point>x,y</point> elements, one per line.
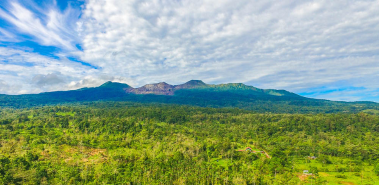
<point>302,177</point>
<point>347,183</point>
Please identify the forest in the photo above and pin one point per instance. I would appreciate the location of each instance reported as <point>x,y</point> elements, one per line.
<point>135,143</point>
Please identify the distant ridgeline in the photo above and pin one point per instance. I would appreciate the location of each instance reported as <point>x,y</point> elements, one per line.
<point>196,93</point>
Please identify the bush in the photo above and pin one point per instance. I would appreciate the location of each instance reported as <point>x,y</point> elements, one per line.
<point>323,170</point>
<point>376,169</point>
<point>341,176</point>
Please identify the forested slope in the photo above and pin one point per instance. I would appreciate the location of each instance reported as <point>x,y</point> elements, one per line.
<point>192,93</point>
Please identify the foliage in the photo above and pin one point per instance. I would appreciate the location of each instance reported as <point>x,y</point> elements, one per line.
<point>124,143</point>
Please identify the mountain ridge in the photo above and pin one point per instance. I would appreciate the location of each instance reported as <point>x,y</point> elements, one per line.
<point>192,93</point>
<point>163,88</point>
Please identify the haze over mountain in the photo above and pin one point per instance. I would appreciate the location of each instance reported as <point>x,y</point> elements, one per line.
<point>194,92</point>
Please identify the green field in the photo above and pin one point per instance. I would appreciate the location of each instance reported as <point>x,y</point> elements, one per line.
<point>342,171</point>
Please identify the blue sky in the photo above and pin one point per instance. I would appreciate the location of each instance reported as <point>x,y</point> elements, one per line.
<point>321,49</point>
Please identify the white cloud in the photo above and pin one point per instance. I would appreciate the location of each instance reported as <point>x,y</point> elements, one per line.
<point>49,79</point>
<point>95,81</point>
<point>7,36</point>
<point>54,30</point>
<point>307,8</point>
<point>286,44</point>
<point>293,45</point>
<point>26,72</point>
<point>8,88</point>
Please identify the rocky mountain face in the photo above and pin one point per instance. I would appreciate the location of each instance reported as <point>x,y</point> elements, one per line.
<point>163,88</point>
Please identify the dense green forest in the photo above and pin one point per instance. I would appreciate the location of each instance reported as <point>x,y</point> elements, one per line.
<point>129,143</point>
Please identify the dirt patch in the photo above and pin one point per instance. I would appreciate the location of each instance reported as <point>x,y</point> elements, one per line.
<point>89,152</point>
<point>45,153</point>
<point>347,183</point>
<point>68,159</point>
<point>87,155</point>
<point>302,177</point>
<point>97,151</point>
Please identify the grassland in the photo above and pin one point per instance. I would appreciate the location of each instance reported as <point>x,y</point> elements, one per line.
<point>342,171</point>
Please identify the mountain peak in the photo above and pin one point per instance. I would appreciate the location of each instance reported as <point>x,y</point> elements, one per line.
<point>191,84</point>
<point>160,85</point>
<point>161,88</point>
<point>106,83</point>
<point>163,84</point>
<point>111,84</point>
<point>195,82</point>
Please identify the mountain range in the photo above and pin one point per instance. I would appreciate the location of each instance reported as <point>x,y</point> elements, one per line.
<point>163,88</point>
<point>195,93</point>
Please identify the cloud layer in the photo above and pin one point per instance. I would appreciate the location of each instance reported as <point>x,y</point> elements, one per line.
<point>318,48</point>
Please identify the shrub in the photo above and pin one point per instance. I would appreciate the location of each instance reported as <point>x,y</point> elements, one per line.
<point>341,176</point>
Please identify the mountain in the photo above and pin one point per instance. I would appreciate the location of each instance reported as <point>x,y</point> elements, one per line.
<point>159,89</point>
<point>194,92</point>
<point>163,88</point>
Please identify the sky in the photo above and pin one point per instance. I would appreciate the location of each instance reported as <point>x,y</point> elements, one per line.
<point>319,49</point>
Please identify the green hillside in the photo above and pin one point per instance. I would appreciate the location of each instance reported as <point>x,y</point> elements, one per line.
<point>195,93</point>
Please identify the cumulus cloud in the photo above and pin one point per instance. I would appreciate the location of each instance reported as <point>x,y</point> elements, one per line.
<point>286,44</point>
<point>28,72</point>
<point>49,79</point>
<point>300,46</point>
<point>99,79</point>
<point>3,86</point>
<point>6,88</point>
